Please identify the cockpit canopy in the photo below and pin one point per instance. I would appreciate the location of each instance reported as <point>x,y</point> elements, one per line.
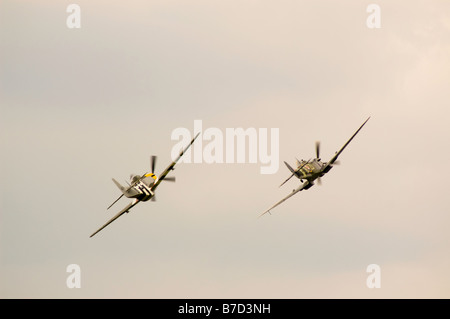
<point>135,178</point>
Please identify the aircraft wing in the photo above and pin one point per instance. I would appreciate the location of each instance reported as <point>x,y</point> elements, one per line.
<point>334,158</point>
<point>171,166</point>
<point>295,191</point>
<point>123,211</point>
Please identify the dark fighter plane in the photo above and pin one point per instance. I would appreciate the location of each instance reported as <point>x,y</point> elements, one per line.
<point>311,170</point>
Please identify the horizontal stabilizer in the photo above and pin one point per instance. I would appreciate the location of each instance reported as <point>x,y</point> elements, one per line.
<point>287,179</point>
<point>115,201</point>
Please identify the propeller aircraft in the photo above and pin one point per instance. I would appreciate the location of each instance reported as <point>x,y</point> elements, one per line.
<point>142,188</point>
<point>312,170</point>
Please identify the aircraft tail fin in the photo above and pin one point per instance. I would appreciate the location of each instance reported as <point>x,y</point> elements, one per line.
<point>290,168</point>
<point>129,192</point>
<point>122,189</point>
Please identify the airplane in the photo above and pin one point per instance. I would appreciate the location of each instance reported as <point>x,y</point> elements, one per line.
<point>312,170</point>
<point>142,188</point>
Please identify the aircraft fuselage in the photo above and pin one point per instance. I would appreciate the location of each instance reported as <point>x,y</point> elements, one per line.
<point>311,170</point>
<point>142,192</point>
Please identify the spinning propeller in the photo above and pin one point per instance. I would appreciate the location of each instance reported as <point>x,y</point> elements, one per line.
<point>319,180</point>
<point>153,164</point>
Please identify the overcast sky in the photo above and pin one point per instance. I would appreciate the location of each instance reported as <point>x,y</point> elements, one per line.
<point>80,106</point>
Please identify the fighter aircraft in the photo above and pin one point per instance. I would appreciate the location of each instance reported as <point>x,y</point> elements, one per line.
<point>312,170</point>
<point>142,188</point>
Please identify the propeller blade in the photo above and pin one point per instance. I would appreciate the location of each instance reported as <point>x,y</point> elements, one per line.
<point>317,149</point>
<point>169,179</point>
<point>319,181</point>
<point>153,163</point>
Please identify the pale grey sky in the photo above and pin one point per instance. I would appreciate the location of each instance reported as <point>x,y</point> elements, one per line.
<point>80,106</point>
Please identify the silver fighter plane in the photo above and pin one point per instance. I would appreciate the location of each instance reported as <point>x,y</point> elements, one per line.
<point>142,188</point>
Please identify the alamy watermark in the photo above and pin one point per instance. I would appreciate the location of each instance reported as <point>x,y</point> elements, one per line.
<point>235,145</point>
<point>373,21</point>
<point>74,279</point>
<point>73,21</point>
<point>374,279</point>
